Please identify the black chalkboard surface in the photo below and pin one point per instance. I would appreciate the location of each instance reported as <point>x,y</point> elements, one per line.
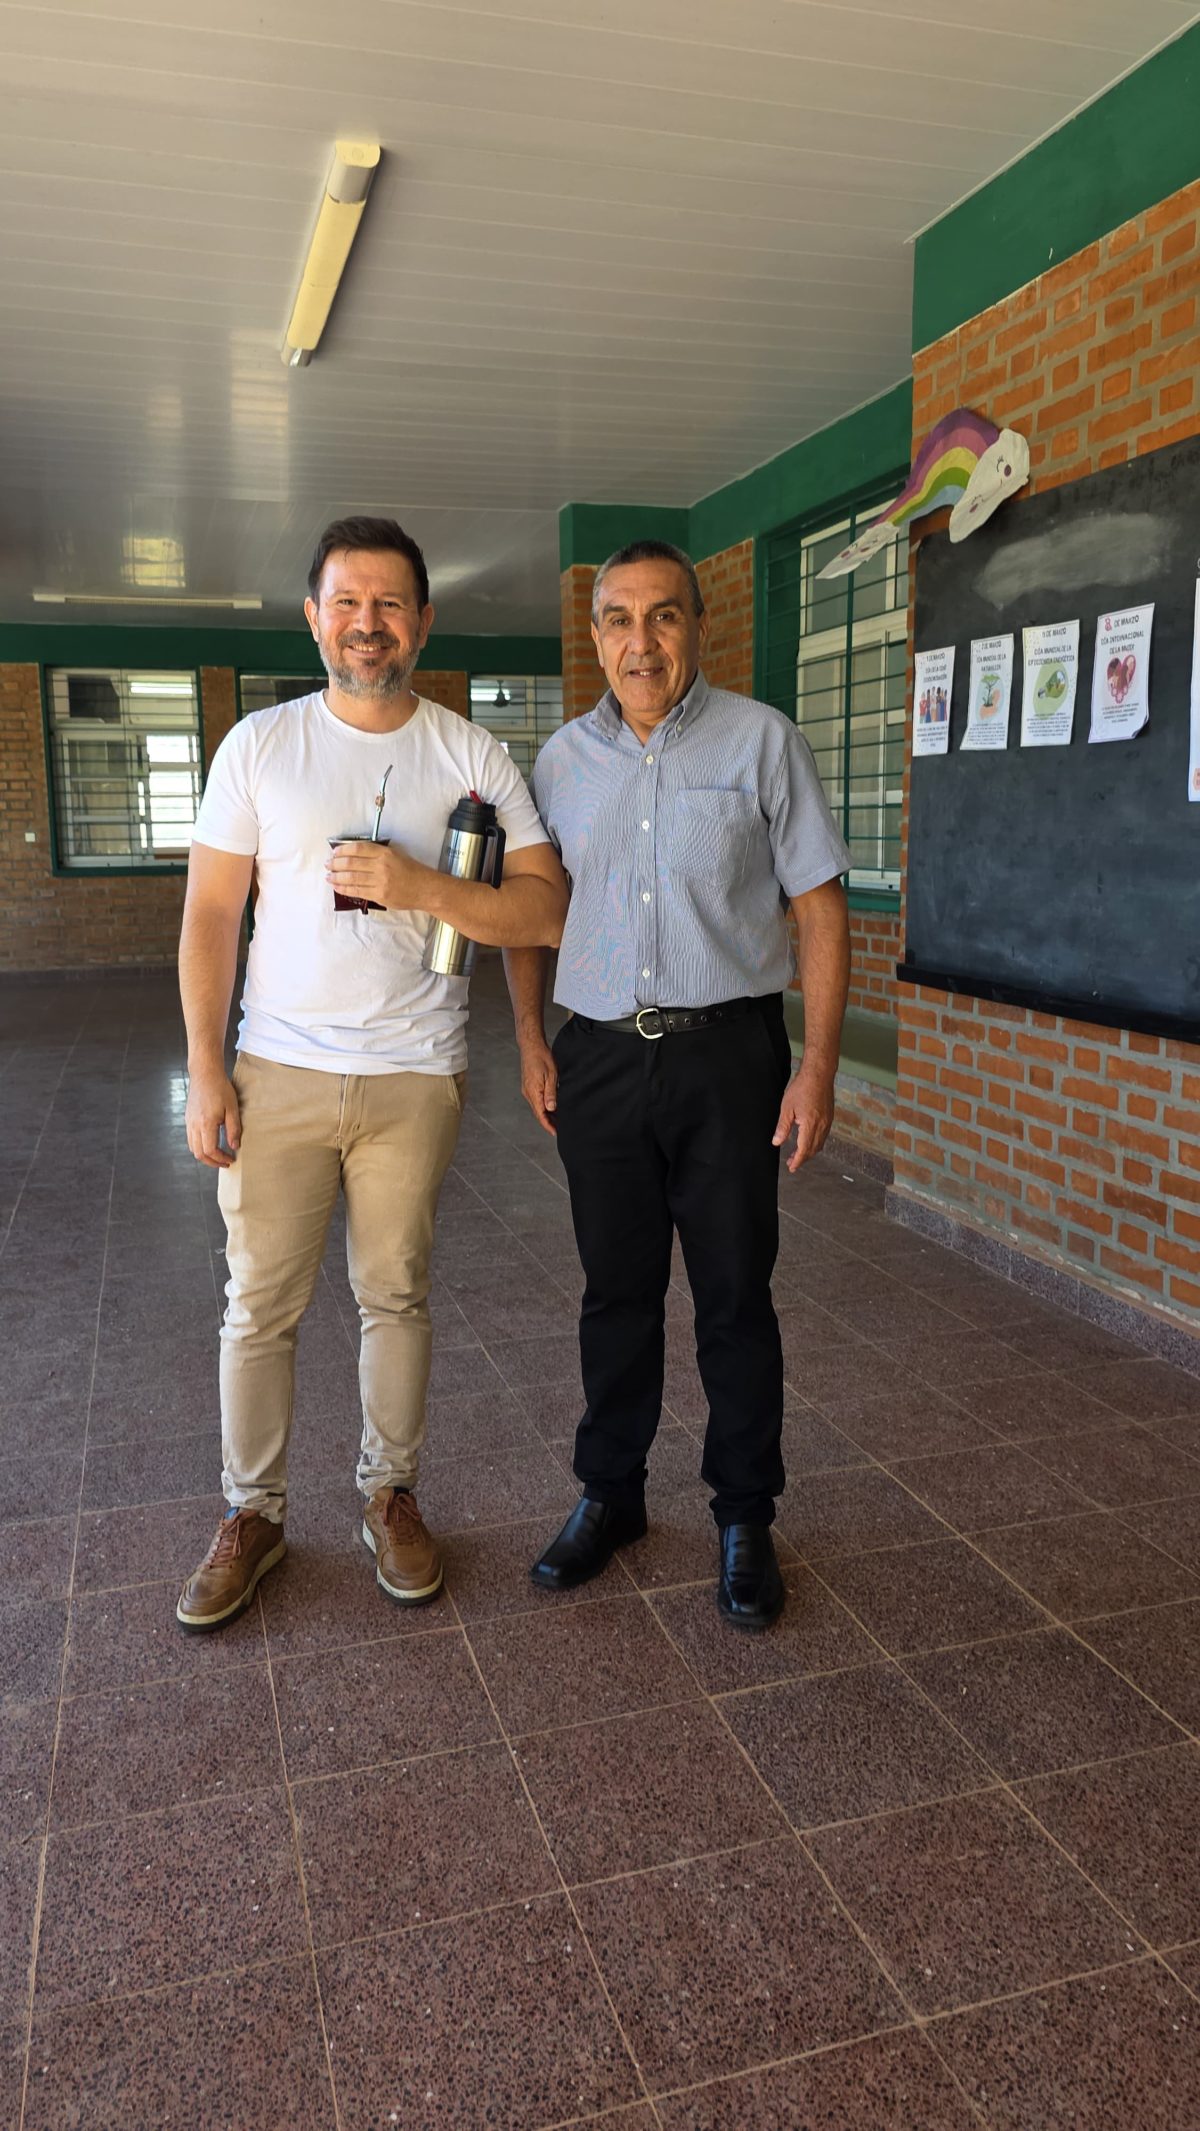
<point>1066,878</point>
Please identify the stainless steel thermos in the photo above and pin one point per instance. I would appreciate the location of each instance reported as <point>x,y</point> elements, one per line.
<point>473,850</point>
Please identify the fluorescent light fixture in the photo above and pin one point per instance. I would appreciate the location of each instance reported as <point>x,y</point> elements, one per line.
<point>162,688</point>
<point>45,598</point>
<point>346,187</point>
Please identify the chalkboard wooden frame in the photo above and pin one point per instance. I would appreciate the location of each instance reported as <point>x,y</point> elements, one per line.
<point>1066,879</point>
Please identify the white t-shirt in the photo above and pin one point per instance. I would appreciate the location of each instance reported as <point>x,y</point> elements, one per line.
<point>344,991</point>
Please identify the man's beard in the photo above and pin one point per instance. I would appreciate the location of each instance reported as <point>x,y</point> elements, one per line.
<point>389,680</point>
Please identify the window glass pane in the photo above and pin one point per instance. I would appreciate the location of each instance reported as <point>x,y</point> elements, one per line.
<point>850,666</point>
<point>125,763</point>
<point>261,691</point>
<point>521,710</point>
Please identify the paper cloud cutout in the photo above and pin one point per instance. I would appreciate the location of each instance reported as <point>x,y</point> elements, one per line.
<point>964,461</point>
<point>1002,470</point>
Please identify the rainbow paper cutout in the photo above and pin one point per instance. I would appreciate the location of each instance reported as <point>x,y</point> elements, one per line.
<point>958,449</point>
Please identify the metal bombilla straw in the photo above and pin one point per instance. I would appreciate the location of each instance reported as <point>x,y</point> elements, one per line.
<point>379,803</point>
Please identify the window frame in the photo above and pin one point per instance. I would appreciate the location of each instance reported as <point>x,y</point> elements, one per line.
<point>152,869</point>
<point>851,508</point>
<point>247,673</point>
<point>531,682</point>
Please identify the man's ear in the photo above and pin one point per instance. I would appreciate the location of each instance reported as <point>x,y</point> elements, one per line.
<point>428,614</point>
<point>704,628</point>
<point>310,616</point>
<point>596,642</point>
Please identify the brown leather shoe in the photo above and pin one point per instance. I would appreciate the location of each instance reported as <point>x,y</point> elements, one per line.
<point>407,1565</point>
<point>244,1547</point>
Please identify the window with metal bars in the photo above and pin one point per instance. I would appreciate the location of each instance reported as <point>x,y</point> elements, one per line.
<point>125,765</point>
<point>521,710</point>
<point>835,661</point>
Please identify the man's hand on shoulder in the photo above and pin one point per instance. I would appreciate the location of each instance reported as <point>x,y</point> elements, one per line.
<point>539,1079</point>
<point>806,1110</point>
<point>380,873</point>
<point>212,1106</point>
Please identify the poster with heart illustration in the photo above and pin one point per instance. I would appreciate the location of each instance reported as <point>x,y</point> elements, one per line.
<point>1121,674</point>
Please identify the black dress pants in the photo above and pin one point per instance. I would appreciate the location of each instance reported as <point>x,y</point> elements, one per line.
<point>666,1135</point>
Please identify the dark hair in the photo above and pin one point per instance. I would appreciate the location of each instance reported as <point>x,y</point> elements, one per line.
<point>650,551</point>
<point>359,536</point>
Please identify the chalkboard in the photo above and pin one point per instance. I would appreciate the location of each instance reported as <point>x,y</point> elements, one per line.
<point>1066,878</point>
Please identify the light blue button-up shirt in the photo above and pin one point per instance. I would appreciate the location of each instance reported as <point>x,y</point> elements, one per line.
<point>682,851</point>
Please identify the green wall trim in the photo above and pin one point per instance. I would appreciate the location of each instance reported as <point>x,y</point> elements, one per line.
<point>1131,148</point>
<point>868,445</point>
<point>252,650</point>
<point>591,532</point>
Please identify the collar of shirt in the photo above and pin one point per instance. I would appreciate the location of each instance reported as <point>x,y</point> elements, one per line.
<point>612,724</point>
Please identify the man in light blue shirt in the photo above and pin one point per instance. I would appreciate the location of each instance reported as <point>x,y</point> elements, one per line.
<point>689,821</point>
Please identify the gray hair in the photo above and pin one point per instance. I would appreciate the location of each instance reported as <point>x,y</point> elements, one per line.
<point>649,551</point>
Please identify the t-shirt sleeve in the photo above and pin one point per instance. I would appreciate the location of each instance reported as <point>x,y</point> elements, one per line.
<point>501,782</point>
<point>805,840</point>
<point>228,817</point>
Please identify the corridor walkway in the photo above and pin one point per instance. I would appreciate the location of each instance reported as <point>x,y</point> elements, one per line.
<point>926,1855</point>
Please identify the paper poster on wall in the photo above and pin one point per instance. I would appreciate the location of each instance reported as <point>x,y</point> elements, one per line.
<point>1051,661</point>
<point>1121,674</point>
<point>931,701</point>
<point>990,692</point>
<point>1194,758</point>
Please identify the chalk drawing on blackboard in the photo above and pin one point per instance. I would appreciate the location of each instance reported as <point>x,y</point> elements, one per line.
<point>1071,558</point>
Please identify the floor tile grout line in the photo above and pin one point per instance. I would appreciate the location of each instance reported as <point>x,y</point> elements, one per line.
<point>843,1905</point>
<point>565,1890</point>
<point>44,1842</point>
<point>778,2064</point>
<point>1007,1783</point>
<point>647,1594</point>
<point>298,1856</point>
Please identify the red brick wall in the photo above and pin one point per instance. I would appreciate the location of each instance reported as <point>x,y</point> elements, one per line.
<point>451,690</point>
<point>727,582</point>
<point>1080,1143</point>
<point>875,946</point>
<point>583,682</point>
<point>82,920</point>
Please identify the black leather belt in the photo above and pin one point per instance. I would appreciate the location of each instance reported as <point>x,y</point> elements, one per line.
<point>655,1021</point>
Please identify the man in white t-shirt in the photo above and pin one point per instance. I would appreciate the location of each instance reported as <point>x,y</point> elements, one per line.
<point>351,1055</point>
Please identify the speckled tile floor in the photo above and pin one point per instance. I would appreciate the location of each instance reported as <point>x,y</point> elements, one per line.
<point>924,1855</point>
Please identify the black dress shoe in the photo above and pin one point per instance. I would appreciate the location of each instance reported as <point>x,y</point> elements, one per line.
<point>750,1593</point>
<point>587,1542</point>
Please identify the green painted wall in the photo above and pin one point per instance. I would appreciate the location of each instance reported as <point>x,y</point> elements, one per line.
<point>868,445</point>
<point>253,650</point>
<point>591,532</point>
<point>1131,148</point>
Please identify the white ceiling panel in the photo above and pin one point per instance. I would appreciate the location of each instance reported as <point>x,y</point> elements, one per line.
<point>611,254</point>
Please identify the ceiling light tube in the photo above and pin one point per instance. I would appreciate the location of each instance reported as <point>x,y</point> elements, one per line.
<point>346,187</point>
<point>44,598</point>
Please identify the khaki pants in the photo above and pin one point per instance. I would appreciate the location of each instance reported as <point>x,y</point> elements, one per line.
<point>387,1141</point>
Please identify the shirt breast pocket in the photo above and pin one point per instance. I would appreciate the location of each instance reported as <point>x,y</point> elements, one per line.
<point>709,836</point>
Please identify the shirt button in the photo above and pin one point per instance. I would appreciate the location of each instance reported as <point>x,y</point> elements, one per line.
<point>645,895</point>
<point>645,972</point>
<point>645,824</point>
<point>649,758</point>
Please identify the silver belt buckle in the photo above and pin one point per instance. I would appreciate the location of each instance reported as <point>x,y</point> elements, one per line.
<point>651,1035</point>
